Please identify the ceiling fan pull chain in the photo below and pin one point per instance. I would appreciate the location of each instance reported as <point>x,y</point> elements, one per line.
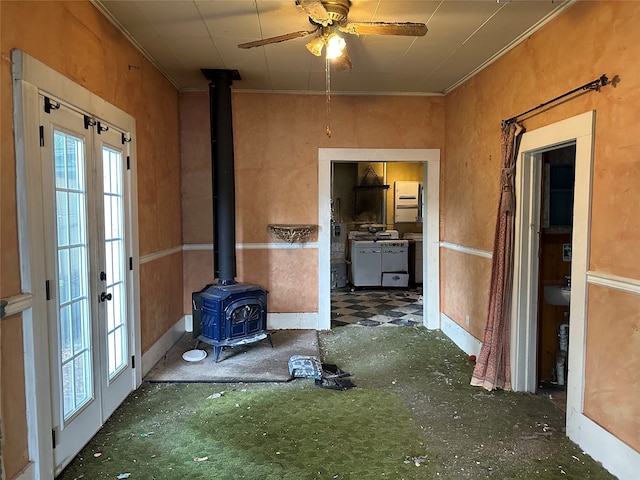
<point>327,69</point>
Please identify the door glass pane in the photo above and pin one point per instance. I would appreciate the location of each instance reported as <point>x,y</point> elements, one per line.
<point>65,332</point>
<point>115,260</point>
<point>62,208</point>
<point>74,317</point>
<point>64,277</point>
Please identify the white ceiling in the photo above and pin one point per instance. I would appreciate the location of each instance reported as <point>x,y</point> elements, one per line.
<point>182,36</point>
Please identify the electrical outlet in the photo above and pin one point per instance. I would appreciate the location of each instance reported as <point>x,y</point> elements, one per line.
<point>466,319</point>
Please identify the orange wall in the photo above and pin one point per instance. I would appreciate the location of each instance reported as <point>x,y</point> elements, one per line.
<point>276,141</point>
<point>14,410</point>
<point>160,279</point>
<point>464,289</point>
<point>589,39</point>
<point>77,41</point>
<point>612,382</point>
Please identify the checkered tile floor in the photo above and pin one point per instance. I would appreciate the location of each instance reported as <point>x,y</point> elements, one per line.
<point>373,308</point>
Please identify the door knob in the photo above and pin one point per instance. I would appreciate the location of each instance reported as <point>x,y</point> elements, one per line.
<point>105,296</point>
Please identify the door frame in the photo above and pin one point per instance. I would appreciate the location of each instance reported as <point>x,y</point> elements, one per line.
<point>30,78</point>
<point>430,158</point>
<point>603,446</point>
<point>578,129</point>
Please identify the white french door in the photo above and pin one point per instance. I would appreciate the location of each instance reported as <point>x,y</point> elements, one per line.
<point>85,203</point>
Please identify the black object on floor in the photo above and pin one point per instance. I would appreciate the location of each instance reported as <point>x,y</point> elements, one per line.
<point>326,375</point>
<point>334,378</point>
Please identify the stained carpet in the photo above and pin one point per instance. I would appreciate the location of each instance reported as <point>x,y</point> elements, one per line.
<point>412,416</point>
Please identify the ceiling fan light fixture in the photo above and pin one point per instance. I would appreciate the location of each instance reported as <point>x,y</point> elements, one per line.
<point>335,46</point>
<point>343,62</point>
<point>316,45</point>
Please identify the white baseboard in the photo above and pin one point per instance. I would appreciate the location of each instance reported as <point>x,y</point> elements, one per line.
<point>616,456</point>
<point>188,323</point>
<point>458,335</point>
<point>293,321</point>
<point>162,346</point>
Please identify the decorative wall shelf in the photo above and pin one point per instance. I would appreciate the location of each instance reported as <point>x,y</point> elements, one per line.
<point>291,233</point>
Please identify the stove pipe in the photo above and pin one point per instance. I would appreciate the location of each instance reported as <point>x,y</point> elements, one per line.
<point>222,170</point>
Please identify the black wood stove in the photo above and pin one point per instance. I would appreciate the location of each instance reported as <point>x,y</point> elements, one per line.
<point>230,316</point>
<point>228,313</point>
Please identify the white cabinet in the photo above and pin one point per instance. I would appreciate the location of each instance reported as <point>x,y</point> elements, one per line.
<point>408,201</point>
<point>379,263</point>
<point>366,264</point>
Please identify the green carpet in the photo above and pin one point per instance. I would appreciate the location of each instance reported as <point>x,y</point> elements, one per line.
<point>412,415</point>
<point>253,433</point>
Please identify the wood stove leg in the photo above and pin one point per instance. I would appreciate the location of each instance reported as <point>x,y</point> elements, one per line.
<point>216,353</point>
<point>269,338</point>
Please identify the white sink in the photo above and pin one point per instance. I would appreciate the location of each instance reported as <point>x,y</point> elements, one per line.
<point>557,294</point>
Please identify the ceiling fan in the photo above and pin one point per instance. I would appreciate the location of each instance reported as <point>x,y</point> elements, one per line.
<point>330,16</point>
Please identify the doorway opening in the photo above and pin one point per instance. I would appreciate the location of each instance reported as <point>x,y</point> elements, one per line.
<point>376,243</point>
<point>573,133</point>
<point>554,279</point>
<point>429,160</point>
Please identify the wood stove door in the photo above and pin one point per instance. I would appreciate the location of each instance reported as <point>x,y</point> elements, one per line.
<point>245,317</point>
<point>85,238</point>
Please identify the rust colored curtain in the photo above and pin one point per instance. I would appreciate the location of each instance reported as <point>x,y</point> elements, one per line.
<point>493,368</point>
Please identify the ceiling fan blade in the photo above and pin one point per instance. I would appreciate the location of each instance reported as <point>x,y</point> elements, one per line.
<point>279,38</point>
<point>409,29</point>
<point>343,62</point>
<point>316,11</point>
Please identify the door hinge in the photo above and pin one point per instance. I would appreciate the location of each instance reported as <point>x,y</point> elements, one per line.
<point>42,135</point>
<point>47,288</point>
<point>53,437</point>
<point>88,122</point>
<point>128,162</point>
<point>130,263</point>
<point>102,128</point>
<point>49,105</point>
<point>133,361</point>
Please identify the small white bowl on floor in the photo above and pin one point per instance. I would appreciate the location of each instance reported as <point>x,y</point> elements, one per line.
<point>194,355</point>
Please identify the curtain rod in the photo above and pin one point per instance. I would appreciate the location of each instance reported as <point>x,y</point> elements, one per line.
<point>594,85</point>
